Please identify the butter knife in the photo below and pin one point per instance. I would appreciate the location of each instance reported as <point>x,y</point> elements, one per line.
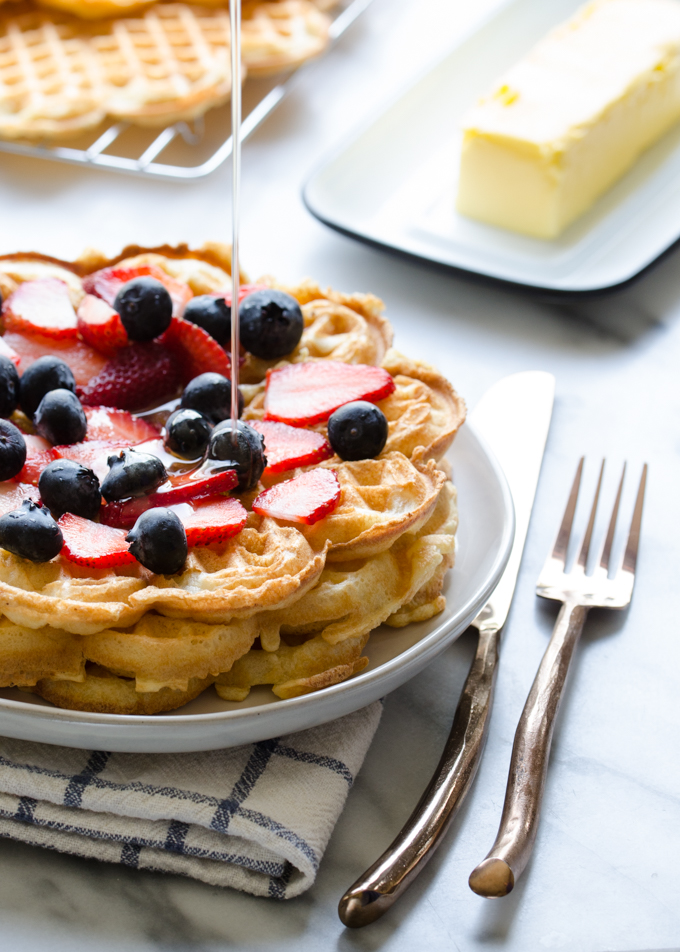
<point>513,417</point>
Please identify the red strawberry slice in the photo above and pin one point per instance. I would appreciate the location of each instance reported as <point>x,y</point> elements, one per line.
<point>89,543</point>
<point>84,361</point>
<point>106,284</point>
<point>199,483</point>
<point>303,394</point>
<point>39,454</point>
<point>195,350</point>
<point>305,498</point>
<point>93,454</point>
<point>107,423</point>
<point>100,326</point>
<point>41,307</point>
<point>13,494</point>
<point>9,352</point>
<point>289,446</point>
<point>137,377</point>
<point>214,521</point>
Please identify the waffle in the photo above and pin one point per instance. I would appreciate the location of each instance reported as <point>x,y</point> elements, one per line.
<point>50,82</point>
<point>281,35</point>
<point>281,604</point>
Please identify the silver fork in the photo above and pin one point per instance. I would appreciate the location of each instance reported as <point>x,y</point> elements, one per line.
<point>499,871</point>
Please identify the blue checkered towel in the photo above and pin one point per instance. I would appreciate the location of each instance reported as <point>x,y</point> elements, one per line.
<point>257,817</point>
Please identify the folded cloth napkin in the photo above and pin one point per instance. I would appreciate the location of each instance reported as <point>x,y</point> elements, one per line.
<point>256,817</point>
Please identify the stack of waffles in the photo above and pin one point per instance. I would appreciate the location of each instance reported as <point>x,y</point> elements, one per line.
<point>281,604</point>
<point>66,66</point>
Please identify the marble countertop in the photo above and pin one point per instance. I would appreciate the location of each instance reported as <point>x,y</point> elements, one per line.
<point>604,872</point>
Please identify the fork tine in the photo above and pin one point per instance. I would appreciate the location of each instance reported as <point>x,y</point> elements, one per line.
<point>609,541</point>
<point>559,551</point>
<point>630,555</point>
<point>585,545</point>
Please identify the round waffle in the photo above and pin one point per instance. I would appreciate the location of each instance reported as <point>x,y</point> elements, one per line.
<point>50,83</point>
<point>170,63</point>
<point>281,604</point>
<point>277,36</point>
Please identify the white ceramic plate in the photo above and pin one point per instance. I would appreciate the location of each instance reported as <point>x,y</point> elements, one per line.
<point>484,542</point>
<point>393,184</point>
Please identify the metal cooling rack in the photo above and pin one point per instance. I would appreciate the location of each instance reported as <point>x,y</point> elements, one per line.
<point>133,150</point>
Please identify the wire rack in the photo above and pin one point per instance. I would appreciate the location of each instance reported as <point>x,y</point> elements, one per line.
<point>191,151</point>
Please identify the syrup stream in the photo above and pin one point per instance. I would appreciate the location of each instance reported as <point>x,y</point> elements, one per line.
<point>235,23</point>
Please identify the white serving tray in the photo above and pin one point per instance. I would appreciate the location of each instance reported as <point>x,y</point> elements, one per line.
<point>393,184</point>
<point>484,538</point>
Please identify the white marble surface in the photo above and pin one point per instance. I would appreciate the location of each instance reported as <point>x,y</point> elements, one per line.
<point>604,874</point>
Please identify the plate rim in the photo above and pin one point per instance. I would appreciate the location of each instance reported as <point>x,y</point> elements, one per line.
<point>427,646</point>
<point>472,274</point>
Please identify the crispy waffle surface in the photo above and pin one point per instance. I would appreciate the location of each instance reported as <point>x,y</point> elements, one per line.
<point>291,606</point>
<point>64,70</point>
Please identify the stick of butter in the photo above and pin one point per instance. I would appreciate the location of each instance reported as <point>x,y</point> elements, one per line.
<point>567,121</point>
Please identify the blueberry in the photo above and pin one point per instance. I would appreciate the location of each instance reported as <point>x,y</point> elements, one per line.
<point>9,387</point>
<point>145,308</point>
<point>358,430</point>
<point>45,374</point>
<point>210,394</point>
<point>60,418</point>
<point>187,433</point>
<point>31,533</point>
<point>66,486</point>
<point>245,455</point>
<point>12,450</point>
<point>132,474</point>
<point>158,541</point>
<point>211,313</point>
<point>271,324</point>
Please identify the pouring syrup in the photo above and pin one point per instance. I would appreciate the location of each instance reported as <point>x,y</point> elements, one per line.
<point>235,24</point>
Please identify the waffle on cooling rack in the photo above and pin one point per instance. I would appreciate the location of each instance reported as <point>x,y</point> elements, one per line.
<point>63,70</point>
<point>280,602</point>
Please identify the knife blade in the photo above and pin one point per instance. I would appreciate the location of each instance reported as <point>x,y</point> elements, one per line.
<point>513,417</point>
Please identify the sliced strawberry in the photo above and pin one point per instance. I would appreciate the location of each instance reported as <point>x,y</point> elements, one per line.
<point>41,307</point>
<point>9,352</point>
<point>107,423</point>
<point>13,494</point>
<point>196,484</point>
<point>39,453</point>
<point>89,543</point>
<point>195,350</point>
<point>100,326</point>
<point>305,498</point>
<point>138,376</point>
<point>289,446</point>
<point>84,361</point>
<point>214,521</point>
<point>303,394</point>
<point>106,284</point>
<point>93,454</point>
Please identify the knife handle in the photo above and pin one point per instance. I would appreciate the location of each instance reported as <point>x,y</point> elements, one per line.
<point>374,892</point>
<point>501,868</point>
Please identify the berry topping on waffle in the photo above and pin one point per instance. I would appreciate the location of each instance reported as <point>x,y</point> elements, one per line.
<point>185,552</point>
<point>304,394</point>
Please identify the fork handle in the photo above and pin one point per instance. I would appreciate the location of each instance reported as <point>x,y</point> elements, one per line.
<point>498,872</point>
<point>374,892</point>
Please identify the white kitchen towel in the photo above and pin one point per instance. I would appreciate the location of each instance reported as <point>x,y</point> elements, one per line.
<point>256,817</point>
